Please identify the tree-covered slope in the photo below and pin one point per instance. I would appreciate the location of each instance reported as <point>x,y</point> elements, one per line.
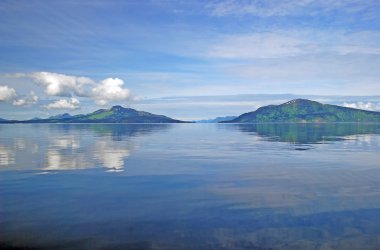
<point>301,110</point>
<point>117,114</point>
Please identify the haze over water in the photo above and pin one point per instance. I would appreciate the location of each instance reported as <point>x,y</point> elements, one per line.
<point>190,186</point>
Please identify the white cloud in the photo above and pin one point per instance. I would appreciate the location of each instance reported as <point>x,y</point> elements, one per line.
<point>71,103</point>
<point>31,99</point>
<point>363,105</point>
<point>59,84</point>
<point>7,93</point>
<point>19,102</point>
<point>110,89</point>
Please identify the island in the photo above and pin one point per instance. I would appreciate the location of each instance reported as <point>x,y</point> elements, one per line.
<point>116,114</point>
<point>305,111</point>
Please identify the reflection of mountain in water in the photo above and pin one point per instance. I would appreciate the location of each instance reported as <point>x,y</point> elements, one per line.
<point>308,133</point>
<point>116,131</point>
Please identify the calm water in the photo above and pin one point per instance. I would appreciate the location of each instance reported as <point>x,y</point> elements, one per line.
<point>190,186</point>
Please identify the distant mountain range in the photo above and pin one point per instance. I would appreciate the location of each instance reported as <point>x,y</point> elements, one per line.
<point>295,111</point>
<point>217,119</point>
<point>302,110</point>
<point>116,114</point>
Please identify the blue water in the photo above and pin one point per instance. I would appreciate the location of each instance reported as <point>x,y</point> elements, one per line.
<point>190,186</point>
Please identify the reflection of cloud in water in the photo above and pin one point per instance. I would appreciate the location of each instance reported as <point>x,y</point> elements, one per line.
<point>72,146</point>
<point>362,140</point>
<point>63,154</point>
<point>112,154</point>
<point>109,148</point>
<point>7,156</point>
<point>66,142</point>
<point>34,148</point>
<point>19,143</point>
<point>68,156</point>
<point>61,160</point>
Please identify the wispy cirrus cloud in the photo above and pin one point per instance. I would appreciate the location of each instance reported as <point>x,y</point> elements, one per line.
<point>301,61</point>
<point>272,8</point>
<point>267,8</point>
<point>290,43</point>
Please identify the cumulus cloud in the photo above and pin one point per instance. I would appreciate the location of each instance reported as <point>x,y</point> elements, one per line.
<point>29,100</point>
<point>103,92</point>
<point>71,104</point>
<point>363,105</point>
<point>110,89</point>
<point>19,102</point>
<point>56,84</point>
<point>7,93</point>
<point>59,84</point>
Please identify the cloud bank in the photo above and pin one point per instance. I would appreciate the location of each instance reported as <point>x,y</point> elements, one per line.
<point>72,87</point>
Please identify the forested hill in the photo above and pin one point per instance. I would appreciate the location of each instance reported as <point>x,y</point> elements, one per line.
<point>302,110</point>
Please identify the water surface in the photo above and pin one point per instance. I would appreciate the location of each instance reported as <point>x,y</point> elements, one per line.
<point>190,186</point>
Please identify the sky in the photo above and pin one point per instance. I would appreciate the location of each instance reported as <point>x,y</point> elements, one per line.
<point>186,59</point>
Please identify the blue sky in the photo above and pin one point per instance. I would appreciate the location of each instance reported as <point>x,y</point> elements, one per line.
<point>78,56</point>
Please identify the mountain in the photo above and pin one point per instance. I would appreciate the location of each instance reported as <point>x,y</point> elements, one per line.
<point>60,116</point>
<point>217,119</point>
<point>117,114</point>
<point>302,110</point>
<point>7,121</point>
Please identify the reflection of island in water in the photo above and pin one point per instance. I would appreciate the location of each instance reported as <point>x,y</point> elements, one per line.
<point>75,146</point>
<point>308,133</point>
<point>115,131</point>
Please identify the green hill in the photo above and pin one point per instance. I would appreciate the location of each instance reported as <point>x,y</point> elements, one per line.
<point>117,114</point>
<point>302,110</point>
